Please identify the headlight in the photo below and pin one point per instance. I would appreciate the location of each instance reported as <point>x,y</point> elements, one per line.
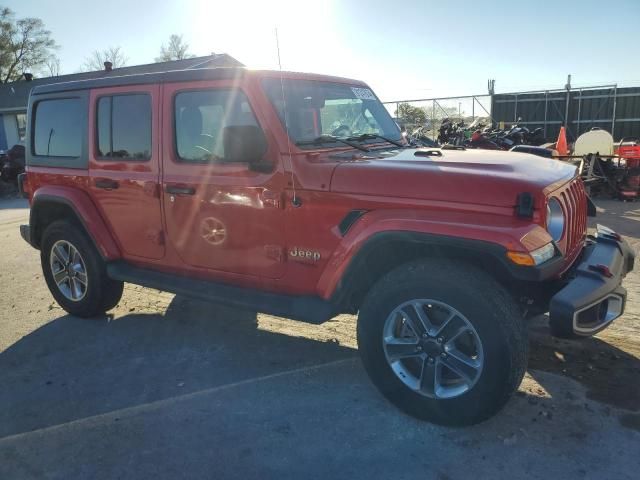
<point>555,219</point>
<point>543,254</point>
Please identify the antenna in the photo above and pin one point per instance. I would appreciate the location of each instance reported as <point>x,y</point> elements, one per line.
<point>294,200</point>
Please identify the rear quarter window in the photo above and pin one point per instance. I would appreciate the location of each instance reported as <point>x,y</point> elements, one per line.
<point>58,127</point>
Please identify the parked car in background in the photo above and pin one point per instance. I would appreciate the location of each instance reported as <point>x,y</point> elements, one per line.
<point>12,163</point>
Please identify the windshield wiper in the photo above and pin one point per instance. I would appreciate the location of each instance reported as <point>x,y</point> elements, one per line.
<point>331,139</point>
<point>368,136</point>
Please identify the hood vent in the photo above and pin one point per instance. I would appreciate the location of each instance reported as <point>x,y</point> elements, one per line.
<point>428,153</point>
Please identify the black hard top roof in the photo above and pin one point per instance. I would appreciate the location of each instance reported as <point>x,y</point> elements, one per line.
<point>144,78</point>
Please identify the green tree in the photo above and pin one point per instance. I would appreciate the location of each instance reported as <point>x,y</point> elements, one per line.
<point>409,114</point>
<point>25,45</point>
<point>176,49</point>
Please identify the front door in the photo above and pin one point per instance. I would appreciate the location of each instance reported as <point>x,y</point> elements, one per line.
<point>220,214</point>
<point>124,166</point>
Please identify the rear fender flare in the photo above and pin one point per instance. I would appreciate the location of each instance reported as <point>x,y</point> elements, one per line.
<point>85,212</point>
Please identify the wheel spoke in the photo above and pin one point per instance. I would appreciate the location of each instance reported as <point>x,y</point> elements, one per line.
<point>76,259</point>
<point>398,348</point>
<point>76,289</point>
<point>452,328</point>
<point>417,319</point>
<point>473,363</point>
<point>81,277</point>
<point>465,371</point>
<point>425,323</point>
<point>61,256</point>
<point>411,322</point>
<point>427,380</point>
<point>60,276</point>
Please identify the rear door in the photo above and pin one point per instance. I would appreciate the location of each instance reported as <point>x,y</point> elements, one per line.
<point>220,215</point>
<point>124,166</point>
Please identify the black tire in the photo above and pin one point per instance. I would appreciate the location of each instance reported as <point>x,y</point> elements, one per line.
<point>102,293</point>
<point>488,307</point>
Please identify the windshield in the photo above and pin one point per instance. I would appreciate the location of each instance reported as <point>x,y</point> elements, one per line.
<point>317,108</point>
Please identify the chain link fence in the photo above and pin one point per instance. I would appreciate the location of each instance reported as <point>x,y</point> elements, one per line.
<point>428,114</point>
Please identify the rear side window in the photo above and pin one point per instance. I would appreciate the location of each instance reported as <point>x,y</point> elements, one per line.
<point>200,120</point>
<point>124,127</point>
<point>58,128</point>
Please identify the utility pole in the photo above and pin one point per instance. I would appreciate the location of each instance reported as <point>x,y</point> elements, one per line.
<point>491,87</point>
<point>566,107</point>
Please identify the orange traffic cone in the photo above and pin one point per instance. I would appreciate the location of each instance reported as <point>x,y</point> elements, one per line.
<point>561,144</point>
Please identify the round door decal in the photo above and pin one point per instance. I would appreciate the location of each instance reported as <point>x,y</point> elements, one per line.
<point>213,231</point>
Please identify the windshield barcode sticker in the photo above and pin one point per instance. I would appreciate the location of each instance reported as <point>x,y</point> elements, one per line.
<point>363,93</point>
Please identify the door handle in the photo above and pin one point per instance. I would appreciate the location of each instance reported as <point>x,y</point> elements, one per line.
<point>180,190</point>
<point>106,183</point>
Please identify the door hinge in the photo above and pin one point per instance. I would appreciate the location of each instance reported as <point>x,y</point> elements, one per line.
<point>271,199</point>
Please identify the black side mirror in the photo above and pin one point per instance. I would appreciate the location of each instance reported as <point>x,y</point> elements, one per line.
<point>245,144</point>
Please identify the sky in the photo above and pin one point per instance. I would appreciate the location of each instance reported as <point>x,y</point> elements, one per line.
<point>403,50</point>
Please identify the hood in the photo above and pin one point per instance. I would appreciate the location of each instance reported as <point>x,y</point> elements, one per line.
<point>486,177</point>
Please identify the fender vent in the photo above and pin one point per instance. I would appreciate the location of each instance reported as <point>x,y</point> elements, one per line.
<point>349,219</point>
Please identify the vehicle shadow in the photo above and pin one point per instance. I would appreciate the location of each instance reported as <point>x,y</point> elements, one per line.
<point>608,373</point>
<point>73,368</point>
<point>12,203</point>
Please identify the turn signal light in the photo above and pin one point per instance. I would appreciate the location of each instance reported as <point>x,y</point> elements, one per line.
<point>521,258</point>
<point>535,257</point>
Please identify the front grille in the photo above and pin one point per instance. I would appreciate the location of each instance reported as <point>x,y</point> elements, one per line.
<point>573,199</point>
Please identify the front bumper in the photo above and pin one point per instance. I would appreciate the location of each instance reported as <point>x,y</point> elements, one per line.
<point>595,296</point>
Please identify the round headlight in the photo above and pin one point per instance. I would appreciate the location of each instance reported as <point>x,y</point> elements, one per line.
<point>555,219</point>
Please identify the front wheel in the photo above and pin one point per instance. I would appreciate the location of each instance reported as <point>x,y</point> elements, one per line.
<point>443,342</point>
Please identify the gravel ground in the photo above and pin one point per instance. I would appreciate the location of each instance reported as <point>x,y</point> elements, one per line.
<point>166,387</point>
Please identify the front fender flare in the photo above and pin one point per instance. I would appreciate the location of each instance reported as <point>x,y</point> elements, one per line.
<point>475,235</point>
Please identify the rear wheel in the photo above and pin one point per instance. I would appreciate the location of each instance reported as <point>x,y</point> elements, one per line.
<point>444,342</point>
<point>75,273</point>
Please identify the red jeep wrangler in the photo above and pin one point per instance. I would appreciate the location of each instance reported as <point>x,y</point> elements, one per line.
<point>297,195</point>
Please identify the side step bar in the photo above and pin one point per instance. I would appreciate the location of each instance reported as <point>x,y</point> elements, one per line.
<point>302,308</point>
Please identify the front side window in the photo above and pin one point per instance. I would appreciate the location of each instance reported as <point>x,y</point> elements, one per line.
<point>123,125</point>
<point>58,128</point>
<point>317,108</point>
<point>201,118</point>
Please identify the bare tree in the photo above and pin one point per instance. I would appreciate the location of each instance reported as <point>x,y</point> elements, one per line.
<point>175,50</point>
<point>53,66</point>
<point>96,60</point>
<point>25,45</point>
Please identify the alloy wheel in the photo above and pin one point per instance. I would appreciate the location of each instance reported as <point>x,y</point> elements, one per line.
<point>69,270</point>
<point>432,348</point>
